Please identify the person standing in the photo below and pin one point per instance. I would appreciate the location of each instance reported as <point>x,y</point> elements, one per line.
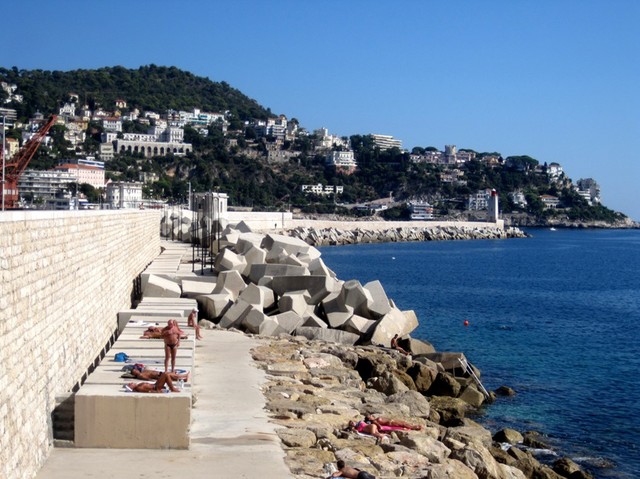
<point>171,337</point>
<point>192,321</point>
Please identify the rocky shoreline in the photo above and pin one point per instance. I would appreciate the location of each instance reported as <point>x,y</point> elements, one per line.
<point>316,387</point>
<point>328,360</point>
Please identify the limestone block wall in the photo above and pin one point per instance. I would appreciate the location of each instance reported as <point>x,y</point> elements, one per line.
<point>64,275</point>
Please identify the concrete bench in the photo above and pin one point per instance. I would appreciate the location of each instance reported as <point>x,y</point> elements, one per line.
<point>107,416</point>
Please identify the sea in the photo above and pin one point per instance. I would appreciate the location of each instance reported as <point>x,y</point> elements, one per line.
<point>555,316</point>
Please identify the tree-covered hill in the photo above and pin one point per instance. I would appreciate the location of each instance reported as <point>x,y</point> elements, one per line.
<point>149,87</point>
<point>235,159</point>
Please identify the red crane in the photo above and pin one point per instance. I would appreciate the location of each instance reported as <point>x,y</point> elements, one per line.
<point>14,167</point>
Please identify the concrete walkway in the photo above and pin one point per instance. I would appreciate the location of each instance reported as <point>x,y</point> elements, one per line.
<point>231,436</point>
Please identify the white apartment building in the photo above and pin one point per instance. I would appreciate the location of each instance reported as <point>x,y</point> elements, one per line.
<point>433,157</point>
<point>321,189</point>
<point>518,199</point>
<point>421,210</point>
<point>385,142</point>
<point>479,201</point>
<point>589,190</point>
<point>325,140</point>
<point>343,161</point>
<point>550,202</point>
<point>554,170</point>
<point>42,185</point>
<point>121,194</point>
<point>112,123</point>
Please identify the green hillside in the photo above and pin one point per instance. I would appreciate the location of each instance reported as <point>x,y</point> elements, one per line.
<point>146,88</point>
<point>236,161</point>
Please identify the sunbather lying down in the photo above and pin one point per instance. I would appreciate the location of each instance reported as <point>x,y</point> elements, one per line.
<point>386,424</point>
<point>156,387</point>
<point>154,332</point>
<point>153,375</point>
<point>364,428</point>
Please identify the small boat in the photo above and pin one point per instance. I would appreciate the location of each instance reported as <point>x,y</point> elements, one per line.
<point>552,229</point>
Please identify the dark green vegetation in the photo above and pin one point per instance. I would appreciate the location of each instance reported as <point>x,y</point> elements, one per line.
<point>236,162</point>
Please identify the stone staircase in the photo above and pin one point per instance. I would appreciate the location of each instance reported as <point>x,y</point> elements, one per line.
<point>63,420</point>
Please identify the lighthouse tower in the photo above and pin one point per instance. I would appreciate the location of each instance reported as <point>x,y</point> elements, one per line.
<point>492,209</point>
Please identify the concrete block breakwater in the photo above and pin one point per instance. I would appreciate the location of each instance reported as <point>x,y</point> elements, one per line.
<point>338,236</point>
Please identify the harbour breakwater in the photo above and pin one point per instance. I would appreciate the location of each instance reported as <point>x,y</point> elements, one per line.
<point>180,225</point>
<point>329,361</point>
<point>338,236</point>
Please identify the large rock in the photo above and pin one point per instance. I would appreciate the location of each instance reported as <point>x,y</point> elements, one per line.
<point>392,323</point>
<point>257,271</point>
<point>317,286</point>
<point>471,434</point>
<point>472,396</point>
<point>419,347</point>
<point>252,320</point>
<point>158,287</point>
<point>447,469</point>
<point>356,297</point>
<point>296,437</point>
<point>254,295</point>
<point>227,260</point>
<point>289,244</point>
<point>379,305</point>
<point>426,445</point>
<point>215,305</point>
<point>508,435</point>
<point>288,321</point>
<point>254,255</point>
<point>449,408</point>
<point>193,289</point>
<point>387,383</point>
<point>479,459</point>
<point>358,325</point>
<point>294,301</point>
<point>418,404</point>
<point>422,375</point>
<point>330,335</point>
<point>234,316</point>
<point>248,241</point>
<point>445,385</point>
<point>231,282</point>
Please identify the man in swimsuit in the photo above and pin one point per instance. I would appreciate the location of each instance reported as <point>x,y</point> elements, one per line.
<point>156,387</point>
<point>350,472</point>
<point>152,375</point>
<point>394,345</point>
<point>192,321</point>
<point>171,337</point>
<point>386,424</point>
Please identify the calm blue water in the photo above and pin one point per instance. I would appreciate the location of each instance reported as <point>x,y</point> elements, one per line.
<point>555,316</point>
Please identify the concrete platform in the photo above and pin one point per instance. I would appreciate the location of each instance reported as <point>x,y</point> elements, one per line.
<point>230,436</point>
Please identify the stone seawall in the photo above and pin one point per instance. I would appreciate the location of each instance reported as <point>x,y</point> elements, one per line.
<point>65,275</point>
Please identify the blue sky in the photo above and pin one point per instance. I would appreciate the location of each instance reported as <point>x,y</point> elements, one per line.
<point>553,79</point>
